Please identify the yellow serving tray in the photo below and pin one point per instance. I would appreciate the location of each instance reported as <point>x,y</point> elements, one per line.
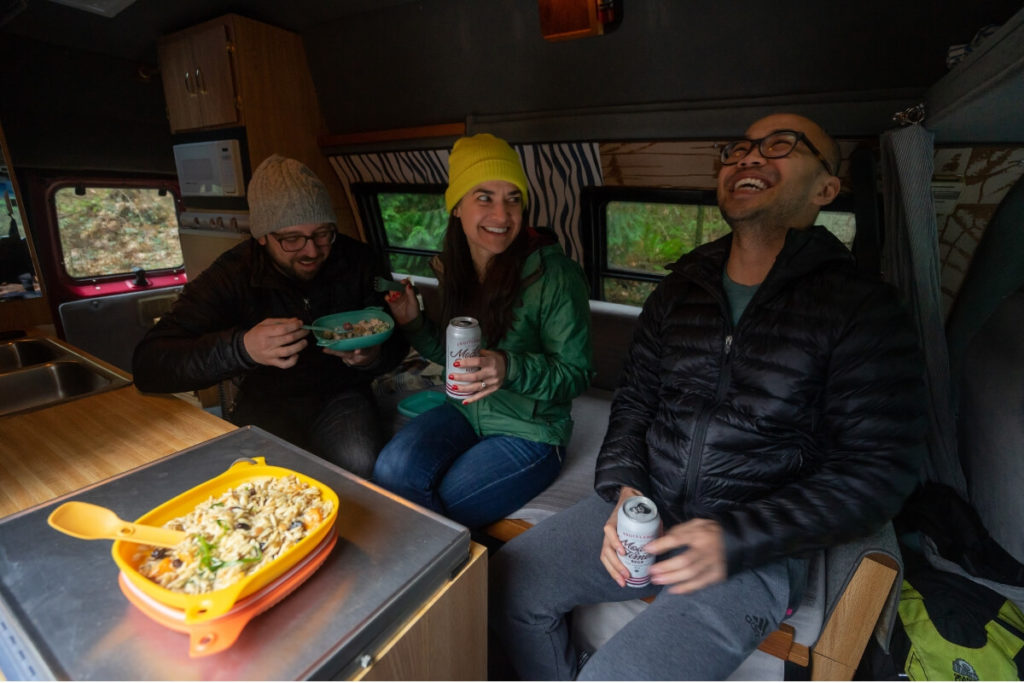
<point>205,606</point>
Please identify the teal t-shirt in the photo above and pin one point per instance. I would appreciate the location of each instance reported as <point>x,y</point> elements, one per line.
<point>738,295</point>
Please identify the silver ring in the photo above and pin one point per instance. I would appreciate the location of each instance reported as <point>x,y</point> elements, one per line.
<point>483,384</point>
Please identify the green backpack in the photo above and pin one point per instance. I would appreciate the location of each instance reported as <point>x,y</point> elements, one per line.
<point>956,630</point>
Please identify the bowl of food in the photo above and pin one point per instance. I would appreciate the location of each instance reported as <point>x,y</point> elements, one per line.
<point>353,329</point>
<point>245,528</point>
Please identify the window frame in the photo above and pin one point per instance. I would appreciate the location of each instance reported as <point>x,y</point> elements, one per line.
<point>104,183</point>
<point>594,202</point>
<point>59,285</point>
<point>365,195</point>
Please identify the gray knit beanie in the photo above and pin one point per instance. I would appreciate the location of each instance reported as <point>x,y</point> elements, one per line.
<point>284,192</point>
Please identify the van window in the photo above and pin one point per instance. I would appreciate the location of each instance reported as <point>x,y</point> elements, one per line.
<point>414,222</point>
<point>635,233</point>
<point>406,222</point>
<point>644,237</point>
<point>114,230</point>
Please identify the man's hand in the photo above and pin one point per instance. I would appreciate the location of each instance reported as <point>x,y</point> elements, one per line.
<point>700,565</point>
<point>357,358</point>
<point>276,341</point>
<point>611,547</point>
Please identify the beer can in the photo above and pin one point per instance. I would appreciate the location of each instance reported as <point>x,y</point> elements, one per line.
<point>637,526</point>
<point>461,341</point>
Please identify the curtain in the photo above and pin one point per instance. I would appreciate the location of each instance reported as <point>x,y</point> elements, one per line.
<point>555,172</point>
<point>910,261</point>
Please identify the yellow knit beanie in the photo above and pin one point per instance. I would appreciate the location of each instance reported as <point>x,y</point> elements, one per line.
<point>480,158</point>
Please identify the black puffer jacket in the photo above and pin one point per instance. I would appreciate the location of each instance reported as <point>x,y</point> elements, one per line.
<point>199,342</point>
<point>801,428</point>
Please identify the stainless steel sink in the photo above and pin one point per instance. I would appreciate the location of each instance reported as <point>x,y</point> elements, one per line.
<point>36,373</point>
<point>25,352</point>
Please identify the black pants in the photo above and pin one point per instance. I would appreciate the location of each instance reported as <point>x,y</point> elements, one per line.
<point>344,429</point>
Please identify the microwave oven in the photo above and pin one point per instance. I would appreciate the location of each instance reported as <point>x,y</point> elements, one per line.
<point>210,169</point>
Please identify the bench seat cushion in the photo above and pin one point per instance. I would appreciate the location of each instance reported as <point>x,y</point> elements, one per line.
<point>576,480</point>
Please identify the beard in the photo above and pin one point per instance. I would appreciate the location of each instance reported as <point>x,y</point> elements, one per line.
<point>767,219</point>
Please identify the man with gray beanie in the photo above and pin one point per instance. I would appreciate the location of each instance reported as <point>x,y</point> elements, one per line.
<point>242,318</point>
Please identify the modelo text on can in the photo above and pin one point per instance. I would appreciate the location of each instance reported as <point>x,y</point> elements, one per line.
<point>637,526</point>
<point>462,341</point>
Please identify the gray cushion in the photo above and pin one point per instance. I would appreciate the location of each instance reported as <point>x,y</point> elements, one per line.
<point>576,480</point>
<point>992,424</point>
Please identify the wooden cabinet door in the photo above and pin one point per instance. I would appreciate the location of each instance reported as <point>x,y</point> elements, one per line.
<point>180,91</point>
<point>198,78</point>
<point>214,75</point>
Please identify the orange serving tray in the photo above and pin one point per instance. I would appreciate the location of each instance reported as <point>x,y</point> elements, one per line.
<point>216,635</point>
<point>206,606</point>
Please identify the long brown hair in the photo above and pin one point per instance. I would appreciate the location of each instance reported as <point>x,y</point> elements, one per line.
<point>493,301</point>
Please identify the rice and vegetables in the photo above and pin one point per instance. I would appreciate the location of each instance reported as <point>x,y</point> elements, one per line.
<point>363,328</point>
<point>235,534</point>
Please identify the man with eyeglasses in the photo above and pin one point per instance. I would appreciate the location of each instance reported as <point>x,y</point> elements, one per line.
<point>771,406</point>
<point>242,318</point>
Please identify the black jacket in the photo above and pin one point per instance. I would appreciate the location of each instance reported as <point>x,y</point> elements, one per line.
<point>199,342</point>
<point>801,428</point>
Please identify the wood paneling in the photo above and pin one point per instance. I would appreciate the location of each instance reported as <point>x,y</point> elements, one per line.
<point>842,641</point>
<point>687,165</point>
<point>567,19</point>
<point>50,452</point>
<point>22,314</point>
<point>446,640</point>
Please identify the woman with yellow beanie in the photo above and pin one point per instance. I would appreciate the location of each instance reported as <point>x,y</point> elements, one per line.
<point>477,459</point>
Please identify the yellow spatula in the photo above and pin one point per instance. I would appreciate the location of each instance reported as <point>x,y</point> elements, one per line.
<point>85,520</point>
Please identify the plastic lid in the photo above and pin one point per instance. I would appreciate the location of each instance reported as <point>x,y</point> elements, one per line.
<point>421,402</point>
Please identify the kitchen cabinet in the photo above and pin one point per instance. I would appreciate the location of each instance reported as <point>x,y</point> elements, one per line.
<point>233,72</point>
<point>198,77</point>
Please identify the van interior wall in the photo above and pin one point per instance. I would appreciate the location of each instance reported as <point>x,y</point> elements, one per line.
<point>78,111</point>
<point>444,61</point>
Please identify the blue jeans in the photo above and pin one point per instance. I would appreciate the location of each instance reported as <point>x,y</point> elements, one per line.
<point>439,462</point>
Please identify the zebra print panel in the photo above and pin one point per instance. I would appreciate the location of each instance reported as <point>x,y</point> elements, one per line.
<point>555,173</point>
<point>421,166</point>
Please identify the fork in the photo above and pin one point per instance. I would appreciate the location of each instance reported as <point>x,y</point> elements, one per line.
<point>382,284</point>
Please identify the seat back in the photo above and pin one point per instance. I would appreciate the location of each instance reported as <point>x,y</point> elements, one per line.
<point>992,423</point>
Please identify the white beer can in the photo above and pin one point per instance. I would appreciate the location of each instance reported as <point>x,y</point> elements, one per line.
<point>637,526</point>
<point>462,341</point>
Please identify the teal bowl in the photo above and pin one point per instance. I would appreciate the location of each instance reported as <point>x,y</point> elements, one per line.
<point>351,344</point>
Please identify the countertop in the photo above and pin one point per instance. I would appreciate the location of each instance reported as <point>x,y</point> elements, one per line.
<point>52,451</point>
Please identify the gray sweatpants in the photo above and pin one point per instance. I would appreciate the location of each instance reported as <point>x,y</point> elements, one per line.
<point>540,576</point>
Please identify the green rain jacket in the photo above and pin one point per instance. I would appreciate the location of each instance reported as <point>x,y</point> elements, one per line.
<point>548,349</point>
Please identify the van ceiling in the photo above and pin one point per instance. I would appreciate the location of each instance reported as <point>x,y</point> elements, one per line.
<point>133,32</point>
<point>381,64</point>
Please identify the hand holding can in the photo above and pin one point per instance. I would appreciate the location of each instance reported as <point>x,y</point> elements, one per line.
<point>461,341</point>
<point>637,526</point>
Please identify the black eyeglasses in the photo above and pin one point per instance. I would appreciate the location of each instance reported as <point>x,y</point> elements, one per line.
<point>321,238</point>
<point>775,145</point>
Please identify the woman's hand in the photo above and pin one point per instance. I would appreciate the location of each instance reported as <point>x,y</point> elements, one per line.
<point>487,374</point>
<point>611,546</point>
<point>404,305</point>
